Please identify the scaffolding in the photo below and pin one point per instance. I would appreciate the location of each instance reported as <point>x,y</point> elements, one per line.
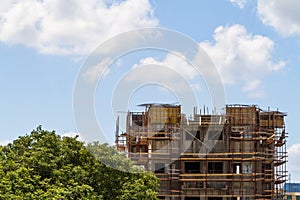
<point>237,155</point>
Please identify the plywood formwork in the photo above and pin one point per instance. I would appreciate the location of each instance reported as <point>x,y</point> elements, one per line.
<point>237,155</point>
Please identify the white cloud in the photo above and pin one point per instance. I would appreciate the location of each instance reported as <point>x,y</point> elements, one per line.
<point>282,15</point>
<point>252,85</point>
<point>240,3</point>
<point>254,89</point>
<point>70,27</point>
<point>294,162</point>
<point>258,94</point>
<point>99,70</point>
<point>175,61</point>
<point>4,5</point>
<point>177,76</point>
<point>242,57</point>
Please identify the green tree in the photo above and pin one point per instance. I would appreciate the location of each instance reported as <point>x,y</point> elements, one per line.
<point>42,165</point>
<point>122,184</point>
<point>143,187</point>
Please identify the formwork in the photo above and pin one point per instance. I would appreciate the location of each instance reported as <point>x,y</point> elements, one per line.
<point>237,155</point>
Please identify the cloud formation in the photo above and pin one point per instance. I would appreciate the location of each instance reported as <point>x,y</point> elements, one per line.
<point>242,57</point>
<point>176,74</point>
<point>294,160</point>
<point>70,27</point>
<point>240,3</point>
<point>282,15</point>
<point>99,70</point>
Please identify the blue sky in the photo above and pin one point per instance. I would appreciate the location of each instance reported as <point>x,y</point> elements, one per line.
<point>254,44</point>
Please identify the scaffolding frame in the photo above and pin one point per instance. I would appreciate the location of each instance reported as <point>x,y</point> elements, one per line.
<point>252,150</point>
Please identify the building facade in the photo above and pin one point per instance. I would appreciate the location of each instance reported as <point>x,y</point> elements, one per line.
<point>240,154</point>
<point>292,191</point>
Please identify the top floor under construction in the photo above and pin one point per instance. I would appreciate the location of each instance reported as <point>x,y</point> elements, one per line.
<point>240,154</point>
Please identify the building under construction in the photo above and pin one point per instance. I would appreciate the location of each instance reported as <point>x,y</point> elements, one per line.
<point>240,154</point>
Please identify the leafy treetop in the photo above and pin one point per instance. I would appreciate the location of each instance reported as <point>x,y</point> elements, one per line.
<point>44,165</point>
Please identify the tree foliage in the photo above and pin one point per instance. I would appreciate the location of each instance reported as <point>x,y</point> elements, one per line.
<point>42,165</point>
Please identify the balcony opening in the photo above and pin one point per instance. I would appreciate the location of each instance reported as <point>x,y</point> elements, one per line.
<point>192,167</point>
<point>215,167</point>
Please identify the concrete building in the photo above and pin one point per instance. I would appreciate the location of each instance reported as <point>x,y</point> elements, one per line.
<point>239,154</point>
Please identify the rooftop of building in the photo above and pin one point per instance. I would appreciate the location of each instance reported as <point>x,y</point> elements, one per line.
<point>292,187</point>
